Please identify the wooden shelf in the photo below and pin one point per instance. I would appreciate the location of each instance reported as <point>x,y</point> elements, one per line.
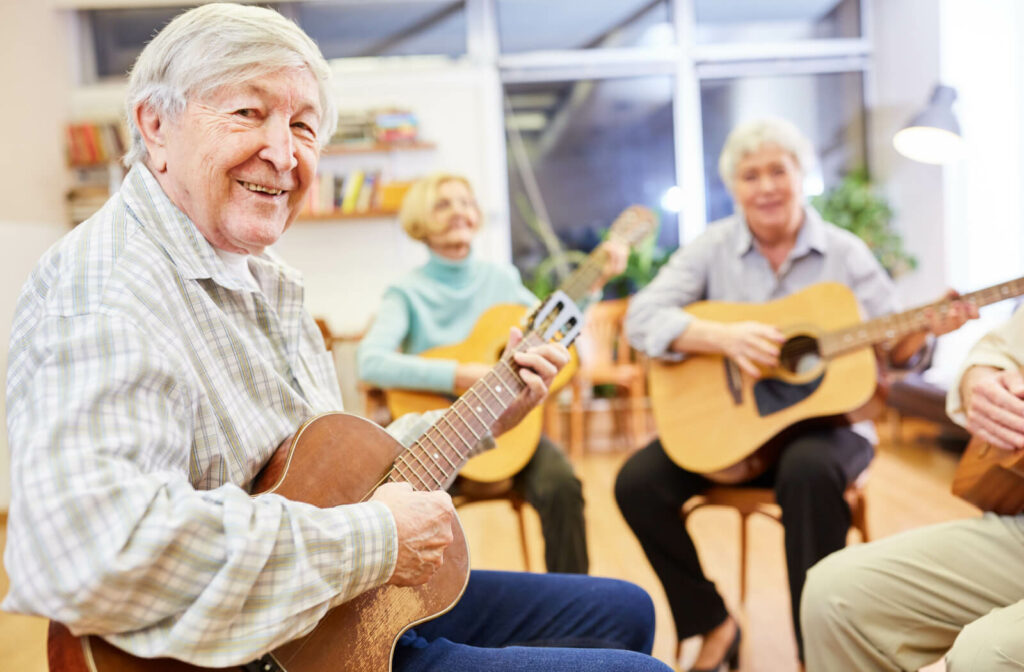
<point>377,148</point>
<point>337,214</point>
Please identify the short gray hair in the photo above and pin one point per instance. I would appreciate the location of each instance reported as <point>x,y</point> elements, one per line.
<point>216,45</point>
<point>751,136</point>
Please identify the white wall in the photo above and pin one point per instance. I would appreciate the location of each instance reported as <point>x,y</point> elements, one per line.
<point>905,67</point>
<point>34,79</point>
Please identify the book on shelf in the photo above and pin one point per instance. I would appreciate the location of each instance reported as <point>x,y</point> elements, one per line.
<point>348,194</point>
<point>91,143</point>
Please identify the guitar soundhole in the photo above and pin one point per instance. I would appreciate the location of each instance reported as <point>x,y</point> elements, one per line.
<point>799,355</point>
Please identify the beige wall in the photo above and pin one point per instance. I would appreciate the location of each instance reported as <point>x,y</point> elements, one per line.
<point>34,80</point>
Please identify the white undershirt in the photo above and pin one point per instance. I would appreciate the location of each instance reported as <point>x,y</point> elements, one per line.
<point>238,266</point>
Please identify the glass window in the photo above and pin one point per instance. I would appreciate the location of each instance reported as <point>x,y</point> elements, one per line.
<point>760,21</point>
<point>352,29</point>
<point>119,35</point>
<point>827,108</point>
<point>529,25</point>
<point>594,147</point>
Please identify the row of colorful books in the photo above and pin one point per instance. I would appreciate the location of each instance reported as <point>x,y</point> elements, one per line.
<point>93,143</point>
<point>355,192</point>
<point>387,126</point>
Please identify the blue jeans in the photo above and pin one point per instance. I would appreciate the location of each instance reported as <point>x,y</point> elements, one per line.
<point>514,621</point>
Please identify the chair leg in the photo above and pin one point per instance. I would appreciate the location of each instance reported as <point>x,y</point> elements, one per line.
<point>517,506</point>
<point>859,517</point>
<point>576,421</point>
<point>743,559</point>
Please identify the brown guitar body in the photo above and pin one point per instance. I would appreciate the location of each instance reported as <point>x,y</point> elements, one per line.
<point>484,345</point>
<point>991,478</point>
<point>705,409</point>
<point>333,459</point>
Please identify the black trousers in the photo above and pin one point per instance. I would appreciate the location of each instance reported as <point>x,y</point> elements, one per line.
<point>548,483</point>
<point>813,470</point>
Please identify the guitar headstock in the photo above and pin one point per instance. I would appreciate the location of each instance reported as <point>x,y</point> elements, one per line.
<point>557,320</point>
<point>633,225</point>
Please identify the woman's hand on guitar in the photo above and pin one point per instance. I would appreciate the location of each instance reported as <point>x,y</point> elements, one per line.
<point>539,365</point>
<point>994,401</point>
<point>750,344</point>
<point>424,523</point>
<point>954,317</point>
<point>616,255</point>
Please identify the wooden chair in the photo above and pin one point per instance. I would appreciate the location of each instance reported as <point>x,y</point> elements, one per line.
<point>748,501</point>
<point>607,359</point>
<point>468,492</point>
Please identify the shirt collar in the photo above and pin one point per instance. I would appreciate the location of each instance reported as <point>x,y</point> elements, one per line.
<point>810,237</point>
<point>186,247</point>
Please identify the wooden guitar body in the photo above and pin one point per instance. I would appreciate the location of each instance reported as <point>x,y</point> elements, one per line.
<point>484,345</point>
<point>333,459</point>
<point>991,478</point>
<point>711,416</point>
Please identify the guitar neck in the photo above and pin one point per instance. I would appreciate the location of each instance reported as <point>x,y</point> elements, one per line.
<point>433,460</point>
<point>896,326</point>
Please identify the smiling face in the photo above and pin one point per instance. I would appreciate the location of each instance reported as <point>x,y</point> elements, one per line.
<point>456,220</point>
<point>239,160</point>
<point>768,189</point>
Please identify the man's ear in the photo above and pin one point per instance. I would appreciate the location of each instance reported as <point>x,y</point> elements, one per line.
<point>153,127</point>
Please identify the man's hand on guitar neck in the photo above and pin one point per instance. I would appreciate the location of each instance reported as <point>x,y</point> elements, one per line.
<point>749,344</point>
<point>424,524</point>
<point>539,366</point>
<point>994,402</point>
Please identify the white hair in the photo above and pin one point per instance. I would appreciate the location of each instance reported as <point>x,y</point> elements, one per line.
<point>216,45</point>
<point>751,136</point>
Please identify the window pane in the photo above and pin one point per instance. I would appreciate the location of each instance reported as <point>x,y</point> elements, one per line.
<point>594,148</point>
<point>529,25</point>
<point>434,27</point>
<point>828,109</point>
<point>120,34</point>
<point>760,21</point>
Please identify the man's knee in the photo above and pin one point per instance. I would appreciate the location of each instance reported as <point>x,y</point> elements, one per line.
<point>986,644</point>
<point>832,596</point>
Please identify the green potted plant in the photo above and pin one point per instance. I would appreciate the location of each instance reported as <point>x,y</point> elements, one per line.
<point>855,206</point>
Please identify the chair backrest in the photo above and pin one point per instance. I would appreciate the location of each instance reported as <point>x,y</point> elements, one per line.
<point>602,342</point>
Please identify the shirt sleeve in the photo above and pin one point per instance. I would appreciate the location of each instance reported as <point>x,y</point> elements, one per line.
<point>382,363</point>
<point>108,535</point>
<point>655,317</point>
<point>1001,348</point>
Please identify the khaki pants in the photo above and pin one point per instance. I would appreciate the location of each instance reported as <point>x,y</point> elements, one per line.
<point>901,602</point>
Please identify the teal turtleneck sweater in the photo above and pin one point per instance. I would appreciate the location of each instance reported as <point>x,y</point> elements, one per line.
<point>436,304</point>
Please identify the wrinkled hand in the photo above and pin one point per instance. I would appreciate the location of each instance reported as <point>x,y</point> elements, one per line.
<point>995,406</point>
<point>424,522</point>
<point>959,312</point>
<point>616,255</point>
<point>750,344</point>
<point>539,365</point>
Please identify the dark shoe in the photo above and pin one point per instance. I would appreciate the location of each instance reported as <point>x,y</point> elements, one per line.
<point>732,655</point>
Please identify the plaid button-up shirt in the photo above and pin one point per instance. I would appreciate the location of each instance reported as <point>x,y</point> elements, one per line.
<point>146,387</point>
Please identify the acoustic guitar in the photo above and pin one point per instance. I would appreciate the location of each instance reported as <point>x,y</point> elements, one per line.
<point>338,459</point>
<point>486,342</point>
<point>716,420</point>
<point>991,478</point>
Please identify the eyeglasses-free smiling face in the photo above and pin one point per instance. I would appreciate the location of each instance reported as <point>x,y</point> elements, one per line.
<point>239,160</point>
<point>457,217</point>
<point>768,189</point>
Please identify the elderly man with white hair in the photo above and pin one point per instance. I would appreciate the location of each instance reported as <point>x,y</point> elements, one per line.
<point>160,355</point>
<point>775,244</point>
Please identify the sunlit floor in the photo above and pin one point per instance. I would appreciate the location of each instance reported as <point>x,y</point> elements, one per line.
<point>909,487</point>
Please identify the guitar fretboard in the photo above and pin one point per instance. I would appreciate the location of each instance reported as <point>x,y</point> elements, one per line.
<point>897,325</point>
<point>433,460</point>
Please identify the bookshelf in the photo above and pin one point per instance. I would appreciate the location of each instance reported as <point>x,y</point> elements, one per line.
<point>93,153</point>
<point>364,179</point>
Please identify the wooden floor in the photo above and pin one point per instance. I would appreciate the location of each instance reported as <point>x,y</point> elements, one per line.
<point>909,487</point>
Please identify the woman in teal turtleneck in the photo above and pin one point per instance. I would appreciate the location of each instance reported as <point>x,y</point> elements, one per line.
<point>439,304</point>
